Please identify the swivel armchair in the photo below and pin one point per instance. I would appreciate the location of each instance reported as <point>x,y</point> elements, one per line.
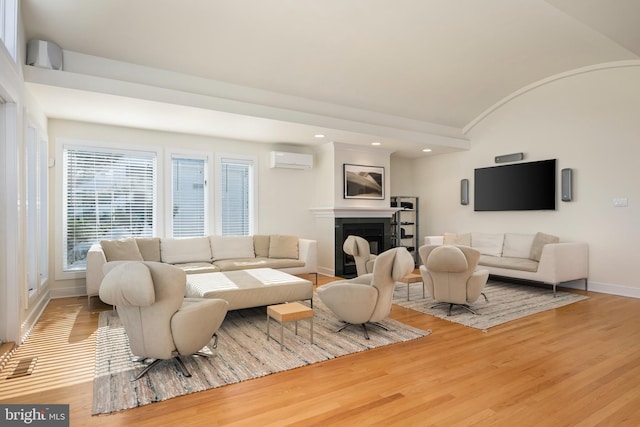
<point>160,323</point>
<point>449,275</point>
<point>367,299</point>
<point>360,250</point>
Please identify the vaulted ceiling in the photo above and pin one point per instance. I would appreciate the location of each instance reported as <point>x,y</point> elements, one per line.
<point>410,74</point>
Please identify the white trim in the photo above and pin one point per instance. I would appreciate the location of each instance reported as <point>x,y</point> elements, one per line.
<point>253,199</point>
<point>9,26</point>
<point>605,288</point>
<point>59,226</point>
<point>551,79</point>
<point>353,212</point>
<point>207,156</point>
<point>9,250</point>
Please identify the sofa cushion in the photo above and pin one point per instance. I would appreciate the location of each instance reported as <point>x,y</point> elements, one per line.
<point>522,264</point>
<point>517,245</point>
<point>188,249</point>
<point>259,262</point>
<point>488,243</point>
<point>149,248</point>
<point>261,244</point>
<point>121,250</point>
<point>283,246</point>
<point>539,241</point>
<point>228,247</point>
<point>197,267</point>
<point>462,239</point>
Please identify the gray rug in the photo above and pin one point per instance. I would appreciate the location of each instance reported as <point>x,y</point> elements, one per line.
<point>507,301</point>
<point>243,353</point>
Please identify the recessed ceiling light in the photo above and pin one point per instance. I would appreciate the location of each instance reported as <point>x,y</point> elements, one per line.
<point>426,150</point>
<point>318,135</point>
<point>375,143</point>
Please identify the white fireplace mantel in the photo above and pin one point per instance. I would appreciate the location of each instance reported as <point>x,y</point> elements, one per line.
<point>353,212</point>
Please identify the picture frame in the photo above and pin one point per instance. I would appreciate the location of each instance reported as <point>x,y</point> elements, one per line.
<point>363,182</point>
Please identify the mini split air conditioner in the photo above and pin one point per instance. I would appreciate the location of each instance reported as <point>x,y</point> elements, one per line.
<point>280,159</point>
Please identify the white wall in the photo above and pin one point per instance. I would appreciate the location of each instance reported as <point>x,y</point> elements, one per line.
<point>18,310</point>
<point>330,192</point>
<point>283,202</point>
<point>590,122</point>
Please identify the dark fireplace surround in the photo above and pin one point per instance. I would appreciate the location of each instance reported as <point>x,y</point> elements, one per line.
<point>377,231</point>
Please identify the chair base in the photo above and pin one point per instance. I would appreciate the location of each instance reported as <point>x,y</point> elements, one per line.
<point>364,327</point>
<point>451,305</point>
<point>179,363</point>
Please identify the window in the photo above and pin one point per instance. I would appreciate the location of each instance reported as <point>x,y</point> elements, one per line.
<point>8,25</point>
<point>107,194</point>
<point>37,229</point>
<point>32,166</point>
<point>189,196</point>
<point>43,210</point>
<point>235,198</point>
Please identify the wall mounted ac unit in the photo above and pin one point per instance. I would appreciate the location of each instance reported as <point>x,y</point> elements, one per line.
<point>280,159</point>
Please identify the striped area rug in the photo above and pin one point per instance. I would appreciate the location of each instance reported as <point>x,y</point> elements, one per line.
<point>243,353</point>
<point>507,301</point>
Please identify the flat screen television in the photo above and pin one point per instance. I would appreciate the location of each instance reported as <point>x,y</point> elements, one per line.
<point>516,187</point>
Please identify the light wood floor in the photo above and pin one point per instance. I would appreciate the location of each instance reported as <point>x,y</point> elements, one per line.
<point>578,365</point>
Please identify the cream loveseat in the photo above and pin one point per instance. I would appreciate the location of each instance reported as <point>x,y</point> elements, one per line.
<point>206,254</point>
<point>536,257</point>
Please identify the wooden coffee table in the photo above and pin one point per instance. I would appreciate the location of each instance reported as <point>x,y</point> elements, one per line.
<point>289,312</point>
<point>412,278</point>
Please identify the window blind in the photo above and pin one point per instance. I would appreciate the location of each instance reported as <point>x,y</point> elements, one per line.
<point>188,176</point>
<point>236,194</point>
<point>107,195</point>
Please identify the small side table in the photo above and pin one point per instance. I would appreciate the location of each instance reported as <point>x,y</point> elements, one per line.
<point>413,278</point>
<point>289,312</point>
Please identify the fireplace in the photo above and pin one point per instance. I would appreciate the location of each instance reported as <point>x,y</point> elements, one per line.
<point>377,231</point>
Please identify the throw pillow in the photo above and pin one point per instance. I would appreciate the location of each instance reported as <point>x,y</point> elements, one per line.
<point>149,248</point>
<point>261,245</point>
<point>283,246</point>
<point>121,250</point>
<point>187,249</point>
<point>227,247</point>
<point>488,243</point>
<point>461,239</point>
<point>517,245</point>
<point>539,241</point>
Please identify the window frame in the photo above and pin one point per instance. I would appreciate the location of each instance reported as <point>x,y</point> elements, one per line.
<point>253,188</point>
<point>9,27</point>
<point>61,144</point>
<point>168,187</point>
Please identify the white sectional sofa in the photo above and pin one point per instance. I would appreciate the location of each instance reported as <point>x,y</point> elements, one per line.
<point>206,254</point>
<point>536,257</point>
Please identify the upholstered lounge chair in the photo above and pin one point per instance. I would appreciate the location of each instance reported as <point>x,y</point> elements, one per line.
<point>367,299</point>
<point>449,275</point>
<point>160,323</point>
<point>360,250</point>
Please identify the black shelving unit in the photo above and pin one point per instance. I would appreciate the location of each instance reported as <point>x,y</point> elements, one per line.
<point>404,224</point>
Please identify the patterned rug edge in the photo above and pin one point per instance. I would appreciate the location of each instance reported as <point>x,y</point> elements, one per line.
<point>162,382</point>
<point>534,300</point>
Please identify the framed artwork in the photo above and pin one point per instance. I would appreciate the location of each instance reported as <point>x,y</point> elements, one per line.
<point>363,182</point>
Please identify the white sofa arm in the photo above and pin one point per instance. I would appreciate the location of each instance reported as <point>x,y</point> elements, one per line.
<point>308,252</point>
<point>94,275</point>
<point>561,262</point>
<point>433,240</point>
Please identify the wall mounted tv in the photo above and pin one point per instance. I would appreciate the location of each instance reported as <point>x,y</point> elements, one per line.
<point>516,187</point>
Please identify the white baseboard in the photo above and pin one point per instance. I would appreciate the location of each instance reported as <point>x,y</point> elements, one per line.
<point>73,291</point>
<point>605,288</point>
